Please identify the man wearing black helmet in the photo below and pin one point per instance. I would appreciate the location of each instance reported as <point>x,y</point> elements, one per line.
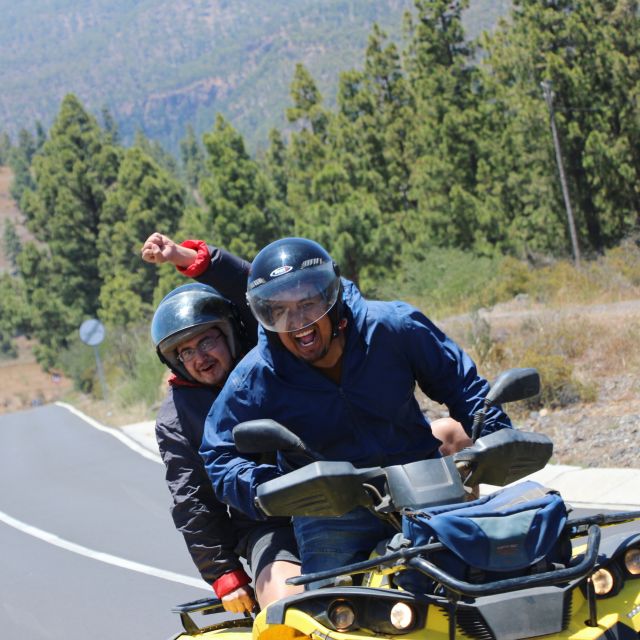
<point>340,372</point>
<point>199,334</point>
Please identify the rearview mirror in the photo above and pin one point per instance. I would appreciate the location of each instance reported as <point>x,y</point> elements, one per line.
<point>514,384</point>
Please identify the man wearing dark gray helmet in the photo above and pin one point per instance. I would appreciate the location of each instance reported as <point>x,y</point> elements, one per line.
<point>200,334</point>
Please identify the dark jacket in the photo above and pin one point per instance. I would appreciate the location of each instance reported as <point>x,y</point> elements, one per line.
<point>371,418</point>
<point>210,533</point>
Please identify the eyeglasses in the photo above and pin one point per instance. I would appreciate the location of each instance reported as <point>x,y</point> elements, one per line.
<point>206,344</point>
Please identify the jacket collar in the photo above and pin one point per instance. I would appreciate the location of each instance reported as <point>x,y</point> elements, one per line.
<point>178,381</point>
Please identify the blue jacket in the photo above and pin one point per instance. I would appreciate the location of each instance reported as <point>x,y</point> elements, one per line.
<point>371,418</point>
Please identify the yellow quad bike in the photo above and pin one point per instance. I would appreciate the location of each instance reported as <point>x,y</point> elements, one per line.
<point>593,593</point>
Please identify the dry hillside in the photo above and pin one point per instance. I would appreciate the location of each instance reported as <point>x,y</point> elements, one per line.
<point>601,345</point>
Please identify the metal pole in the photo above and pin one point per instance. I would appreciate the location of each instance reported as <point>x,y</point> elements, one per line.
<point>548,96</point>
<point>103,384</point>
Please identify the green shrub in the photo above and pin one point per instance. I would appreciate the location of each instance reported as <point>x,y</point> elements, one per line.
<point>624,260</point>
<point>559,386</point>
<point>132,370</point>
<point>446,281</point>
<point>78,362</point>
<point>135,369</point>
<point>513,277</point>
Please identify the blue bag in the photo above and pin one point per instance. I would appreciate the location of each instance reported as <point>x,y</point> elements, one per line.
<point>506,533</point>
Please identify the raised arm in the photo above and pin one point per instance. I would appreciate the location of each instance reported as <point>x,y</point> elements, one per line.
<point>210,265</point>
<point>158,249</point>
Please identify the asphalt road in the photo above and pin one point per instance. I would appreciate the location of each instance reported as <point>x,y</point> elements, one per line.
<point>87,545</point>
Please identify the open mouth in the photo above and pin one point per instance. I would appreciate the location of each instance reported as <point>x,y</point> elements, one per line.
<point>306,338</point>
<point>209,366</point>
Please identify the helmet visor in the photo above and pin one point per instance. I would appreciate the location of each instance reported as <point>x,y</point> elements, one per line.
<point>295,300</point>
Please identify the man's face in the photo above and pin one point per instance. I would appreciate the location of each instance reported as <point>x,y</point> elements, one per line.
<point>206,357</point>
<point>312,343</point>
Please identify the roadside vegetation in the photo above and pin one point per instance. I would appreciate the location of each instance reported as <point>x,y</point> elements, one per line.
<point>509,315</point>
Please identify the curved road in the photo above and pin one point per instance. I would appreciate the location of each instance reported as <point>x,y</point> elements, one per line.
<point>87,545</point>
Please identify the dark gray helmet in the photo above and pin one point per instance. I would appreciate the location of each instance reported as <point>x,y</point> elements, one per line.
<point>292,270</point>
<point>186,312</point>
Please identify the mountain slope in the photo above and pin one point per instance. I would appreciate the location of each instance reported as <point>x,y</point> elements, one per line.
<point>160,64</point>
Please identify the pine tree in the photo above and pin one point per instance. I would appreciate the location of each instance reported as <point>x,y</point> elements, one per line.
<point>275,164</point>
<point>192,157</point>
<point>110,125</point>
<point>5,148</point>
<point>73,172</point>
<point>377,112</point>
<point>443,80</point>
<point>20,158</point>
<point>12,243</point>
<point>242,214</point>
<point>309,149</point>
<point>156,151</point>
<point>348,223</point>
<point>13,313</point>
<point>589,53</point>
<point>145,198</point>
<point>41,136</point>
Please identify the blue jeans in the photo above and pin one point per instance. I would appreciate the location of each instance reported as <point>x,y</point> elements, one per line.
<point>328,543</point>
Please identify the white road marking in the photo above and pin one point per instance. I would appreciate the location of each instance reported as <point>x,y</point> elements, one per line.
<point>107,558</point>
<point>130,442</point>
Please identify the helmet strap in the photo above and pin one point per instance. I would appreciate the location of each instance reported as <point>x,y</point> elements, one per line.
<point>182,373</point>
<point>337,313</point>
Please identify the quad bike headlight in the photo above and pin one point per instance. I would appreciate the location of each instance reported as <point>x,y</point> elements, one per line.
<point>602,581</point>
<point>607,581</point>
<point>402,616</point>
<point>342,615</point>
<point>632,561</point>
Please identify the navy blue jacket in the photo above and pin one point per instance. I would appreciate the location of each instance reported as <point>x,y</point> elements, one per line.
<point>371,418</point>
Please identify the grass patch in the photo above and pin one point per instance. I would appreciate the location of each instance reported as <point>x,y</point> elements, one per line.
<point>447,281</point>
<point>450,281</point>
<point>133,374</point>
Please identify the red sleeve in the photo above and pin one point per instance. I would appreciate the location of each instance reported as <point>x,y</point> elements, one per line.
<point>229,582</point>
<point>201,263</point>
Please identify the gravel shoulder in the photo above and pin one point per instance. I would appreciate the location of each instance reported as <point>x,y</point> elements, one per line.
<point>603,433</point>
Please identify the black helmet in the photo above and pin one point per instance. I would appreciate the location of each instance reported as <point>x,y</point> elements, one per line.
<point>187,311</point>
<point>292,270</point>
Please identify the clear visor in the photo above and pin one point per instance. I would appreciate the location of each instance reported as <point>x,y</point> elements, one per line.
<point>295,300</point>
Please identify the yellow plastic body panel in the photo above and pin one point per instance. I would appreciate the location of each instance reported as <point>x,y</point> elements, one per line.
<point>221,634</point>
<point>624,608</point>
